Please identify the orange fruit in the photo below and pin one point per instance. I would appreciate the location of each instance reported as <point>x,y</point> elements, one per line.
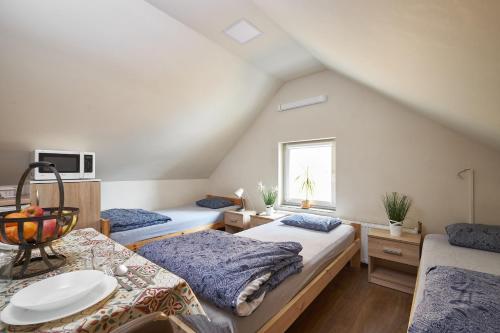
<point>29,232</point>
<point>19,215</point>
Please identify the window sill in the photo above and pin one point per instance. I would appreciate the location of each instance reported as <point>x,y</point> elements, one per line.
<point>318,211</point>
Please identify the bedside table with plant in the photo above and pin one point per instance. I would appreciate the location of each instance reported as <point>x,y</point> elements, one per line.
<point>394,256</point>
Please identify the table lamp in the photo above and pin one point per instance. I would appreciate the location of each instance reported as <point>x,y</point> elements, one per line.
<point>239,193</point>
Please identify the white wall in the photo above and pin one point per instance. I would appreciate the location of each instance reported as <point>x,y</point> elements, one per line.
<point>382,146</point>
<point>151,194</point>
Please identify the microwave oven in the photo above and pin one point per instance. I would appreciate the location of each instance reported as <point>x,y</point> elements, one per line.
<point>69,164</point>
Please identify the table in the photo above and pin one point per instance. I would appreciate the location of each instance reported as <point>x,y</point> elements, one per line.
<point>169,293</point>
<point>393,260</point>
<point>237,220</point>
<point>257,220</point>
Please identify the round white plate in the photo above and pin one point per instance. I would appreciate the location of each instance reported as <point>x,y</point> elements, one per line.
<point>57,291</point>
<point>13,315</point>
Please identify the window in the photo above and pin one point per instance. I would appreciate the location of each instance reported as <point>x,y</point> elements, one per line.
<point>315,158</point>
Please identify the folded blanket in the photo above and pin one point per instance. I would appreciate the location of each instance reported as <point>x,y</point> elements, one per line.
<point>313,222</point>
<point>128,219</point>
<point>230,271</point>
<point>458,300</point>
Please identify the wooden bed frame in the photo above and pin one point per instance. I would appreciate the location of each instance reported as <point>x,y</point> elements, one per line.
<point>106,227</point>
<point>414,300</point>
<point>281,321</point>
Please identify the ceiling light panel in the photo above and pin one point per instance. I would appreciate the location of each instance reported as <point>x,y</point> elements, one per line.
<point>242,31</point>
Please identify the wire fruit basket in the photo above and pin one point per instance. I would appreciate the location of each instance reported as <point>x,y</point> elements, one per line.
<point>34,234</point>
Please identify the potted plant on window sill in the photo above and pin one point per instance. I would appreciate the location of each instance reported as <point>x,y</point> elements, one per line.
<point>396,206</point>
<point>307,187</point>
<point>269,197</point>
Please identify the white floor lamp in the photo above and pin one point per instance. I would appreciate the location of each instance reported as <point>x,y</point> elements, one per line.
<point>471,191</point>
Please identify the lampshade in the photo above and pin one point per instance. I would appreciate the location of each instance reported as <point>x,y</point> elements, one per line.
<point>239,192</point>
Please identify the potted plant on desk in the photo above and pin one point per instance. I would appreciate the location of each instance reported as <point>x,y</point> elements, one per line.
<point>307,186</point>
<point>396,206</point>
<point>269,197</point>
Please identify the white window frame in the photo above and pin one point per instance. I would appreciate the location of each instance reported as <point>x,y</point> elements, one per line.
<point>283,173</point>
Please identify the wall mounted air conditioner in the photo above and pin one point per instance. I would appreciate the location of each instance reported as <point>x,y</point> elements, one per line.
<point>303,102</point>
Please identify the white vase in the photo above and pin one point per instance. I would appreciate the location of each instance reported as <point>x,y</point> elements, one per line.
<point>396,228</point>
<point>269,210</point>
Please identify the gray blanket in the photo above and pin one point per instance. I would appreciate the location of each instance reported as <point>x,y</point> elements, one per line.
<point>458,300</point>
<point>127,219</point>
<point>218,266</point>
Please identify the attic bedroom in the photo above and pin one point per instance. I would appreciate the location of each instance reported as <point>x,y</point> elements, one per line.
<point>249,166</point>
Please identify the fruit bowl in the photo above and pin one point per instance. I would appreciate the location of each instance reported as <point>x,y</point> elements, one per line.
<point>33,229</point>
<point>18,228</point>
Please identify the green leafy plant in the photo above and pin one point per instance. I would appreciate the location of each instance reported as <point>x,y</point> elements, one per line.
<point>396,206</point>
<point>307,185</point>
<point>268,195</point>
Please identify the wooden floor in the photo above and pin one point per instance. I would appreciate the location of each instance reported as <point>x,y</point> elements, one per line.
<point>349,304</point>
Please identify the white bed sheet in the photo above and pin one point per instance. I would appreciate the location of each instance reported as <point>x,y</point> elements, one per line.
<point>438,251</point>
<point>319,249</point>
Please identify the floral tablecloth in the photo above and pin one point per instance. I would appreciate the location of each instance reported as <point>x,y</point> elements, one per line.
<point>169,293</point>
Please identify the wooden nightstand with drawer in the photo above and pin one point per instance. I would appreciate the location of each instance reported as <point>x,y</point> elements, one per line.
<point>393,261</point>
<point>236,221</point>
<point>256,220</point>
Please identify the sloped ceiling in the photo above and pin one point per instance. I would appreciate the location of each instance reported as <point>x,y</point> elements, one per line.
<point>159,92</point>
<point>152,97</point>
<point>275,52</point>
<point>441,57</point>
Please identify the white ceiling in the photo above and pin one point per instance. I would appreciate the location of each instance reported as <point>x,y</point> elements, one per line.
<point>159,92</point>
<point>152,97</point>
<point>275,52</point>
<point>441,57</point>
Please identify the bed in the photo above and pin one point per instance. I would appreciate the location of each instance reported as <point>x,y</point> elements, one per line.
<point>185,219</point>
<point>324,255</point>
<point>437,250</point>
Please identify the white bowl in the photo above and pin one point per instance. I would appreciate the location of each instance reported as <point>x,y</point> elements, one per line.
<point>57,291</point>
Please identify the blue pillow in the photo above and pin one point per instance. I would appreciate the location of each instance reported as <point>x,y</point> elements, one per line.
<point>475,236</point>
<point>313,222</point>
<point>214,203</point>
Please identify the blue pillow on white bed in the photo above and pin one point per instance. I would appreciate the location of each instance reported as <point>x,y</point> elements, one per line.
<point>475,236</point>
<point>214,203</point>
<point>313,222</point>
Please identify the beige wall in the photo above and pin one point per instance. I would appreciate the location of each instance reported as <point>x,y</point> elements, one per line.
<point>151,194</point>
<point>382,146</point>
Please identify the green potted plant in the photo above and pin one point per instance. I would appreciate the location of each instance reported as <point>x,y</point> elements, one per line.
<point>396,206</point>
<point>307,186</point>
<point>269,197</point>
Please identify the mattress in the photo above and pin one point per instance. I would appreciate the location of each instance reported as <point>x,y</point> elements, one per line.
<point>319,249</point>
<point>438,251</point>
<point>183,217</point>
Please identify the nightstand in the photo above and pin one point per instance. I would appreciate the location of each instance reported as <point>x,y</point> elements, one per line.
<point>256,220</point>
<point>236,221</point>
<point>393,261</point>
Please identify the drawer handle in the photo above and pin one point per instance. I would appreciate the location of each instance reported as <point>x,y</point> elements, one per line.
<point>396,252</point>
<point>234,221</point>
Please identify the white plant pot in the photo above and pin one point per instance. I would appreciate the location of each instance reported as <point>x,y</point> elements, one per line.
<point>396,228</point>
<point>269,210</point>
